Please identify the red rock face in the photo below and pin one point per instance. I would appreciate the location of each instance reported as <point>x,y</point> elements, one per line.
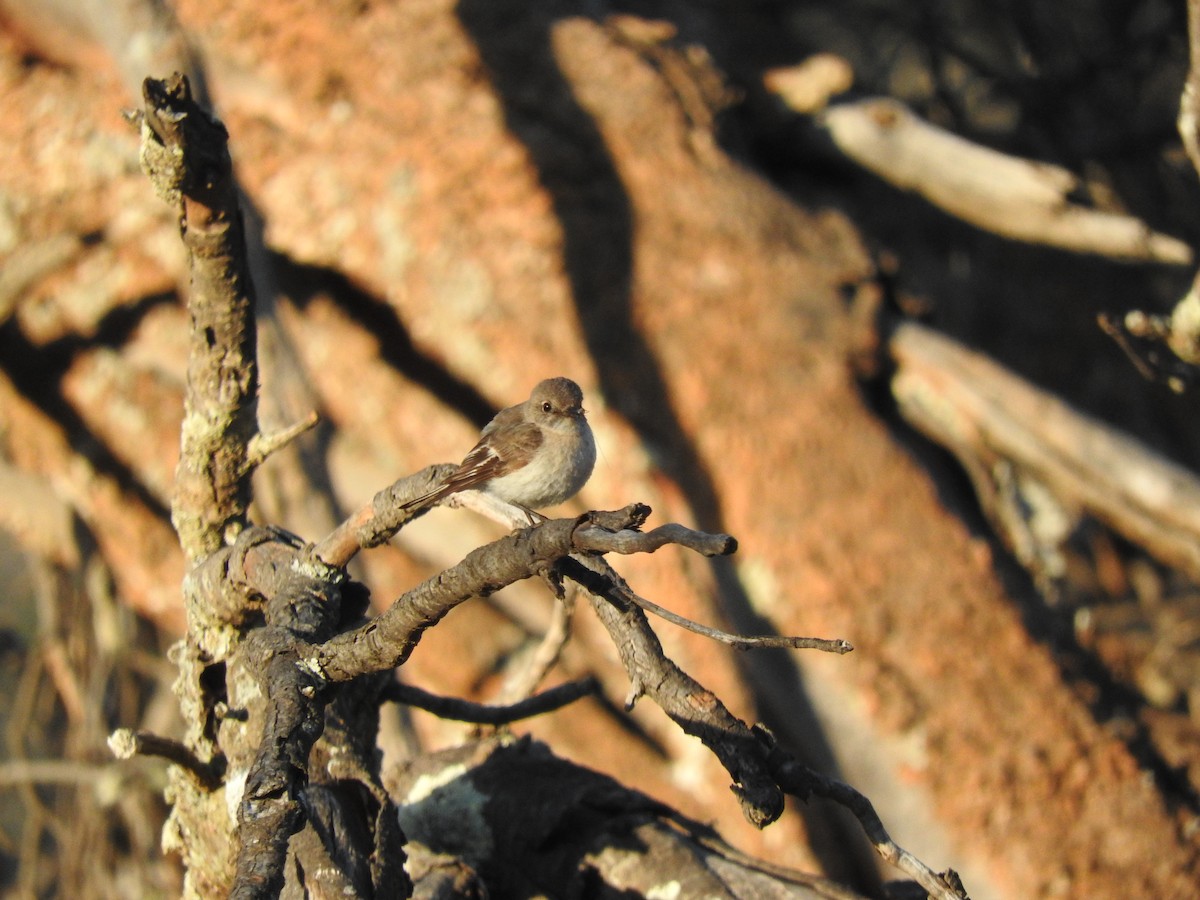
<point>462,199</point>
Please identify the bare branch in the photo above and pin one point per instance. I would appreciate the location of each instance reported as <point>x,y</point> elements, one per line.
<point>487,714</point>
<point>984,414</point>
<point>1021,199</point>
<point>186,155</point>
<point>263,445</point>
<point>126,743</point>
<point>376,522</point>
<point>692,707</point>
<point>801,781</point>
<point>386,641</point>
<point>629,541</point>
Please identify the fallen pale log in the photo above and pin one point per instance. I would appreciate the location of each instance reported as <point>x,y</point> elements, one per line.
<point>997,423</point>
<point>1021,199</point>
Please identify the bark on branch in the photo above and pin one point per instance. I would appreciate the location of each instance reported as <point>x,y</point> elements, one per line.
<point>185,153</point>
<point>281,679</point>
<point>801,781</point>
<point>693,708</point>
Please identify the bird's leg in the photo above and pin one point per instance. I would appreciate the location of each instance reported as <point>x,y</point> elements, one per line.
<point>535,517</point>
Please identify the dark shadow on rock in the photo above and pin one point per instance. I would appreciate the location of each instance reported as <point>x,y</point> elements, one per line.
<point>37,372</point>
<point>576,169</point>
<point>301,282</point>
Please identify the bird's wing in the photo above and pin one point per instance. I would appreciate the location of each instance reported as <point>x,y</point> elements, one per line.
<point>483,463</point>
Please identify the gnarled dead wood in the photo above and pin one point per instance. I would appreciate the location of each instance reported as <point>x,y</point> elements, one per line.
<point>281,676</point>
<point>1021,199</point>
<point>991,419</point>
<point>186,155</point>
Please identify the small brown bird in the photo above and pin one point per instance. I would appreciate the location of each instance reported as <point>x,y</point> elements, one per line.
<point>535,454</point>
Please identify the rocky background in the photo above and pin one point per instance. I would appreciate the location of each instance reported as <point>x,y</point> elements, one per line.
<point>458,199</point>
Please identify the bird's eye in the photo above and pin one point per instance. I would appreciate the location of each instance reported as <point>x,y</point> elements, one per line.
<point>547,406</point>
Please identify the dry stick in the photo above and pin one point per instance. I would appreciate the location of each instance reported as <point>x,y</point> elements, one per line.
<point>376,521</point>
<point>627,541</point>
<point>802,782</point>
<point>982,413</point>
<point>262,445</point>
<point>940,886</point>
<point>736,641</point>
<point>126,743</point>
<point>1021,199</point>
<point>185,154</point>
<point>523,683</point>
<point>487,714</point>
<point>696,710</point>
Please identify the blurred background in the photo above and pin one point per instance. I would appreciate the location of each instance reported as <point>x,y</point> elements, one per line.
<point>449,201</point>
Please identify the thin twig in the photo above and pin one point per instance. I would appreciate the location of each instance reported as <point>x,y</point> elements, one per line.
<point>125,743</point>
<point>522,684</point>
<point>263,444</point>
<point>487,714</point>
<point>737,641</point>
<point>802,782</point>
<point>939,885</point>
